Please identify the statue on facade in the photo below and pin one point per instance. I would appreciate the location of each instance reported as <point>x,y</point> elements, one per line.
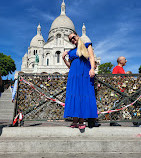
<point>36,63</point>
<point>36,58</point>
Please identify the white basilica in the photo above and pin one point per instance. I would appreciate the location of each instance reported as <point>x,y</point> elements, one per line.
<point>50,52</point>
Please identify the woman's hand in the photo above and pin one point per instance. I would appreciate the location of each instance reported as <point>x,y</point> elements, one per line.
<point>91,73</point>
<point>64,54</point>
<point>68,64</point>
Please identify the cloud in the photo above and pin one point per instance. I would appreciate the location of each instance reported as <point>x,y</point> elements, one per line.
<point>47,16</point>
<point>39,14</point>
<point>74,9</point>
<point>115,43</point>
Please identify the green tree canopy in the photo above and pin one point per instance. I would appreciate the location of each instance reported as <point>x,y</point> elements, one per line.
<point>140,69</point>
<point>105,68</point>
<point>7,64</point>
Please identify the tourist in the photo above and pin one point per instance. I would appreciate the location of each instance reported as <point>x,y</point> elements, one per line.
<point>14,91</point>
<point>129,72</point>
<point>80,96</point>
<point>118,70</point>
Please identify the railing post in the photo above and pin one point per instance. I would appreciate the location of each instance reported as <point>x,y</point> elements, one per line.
<point>16,104</point>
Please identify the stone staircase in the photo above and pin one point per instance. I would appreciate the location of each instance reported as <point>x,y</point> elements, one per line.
<point>65,142</point>
<point>6,106</point>
<point>60,142</point>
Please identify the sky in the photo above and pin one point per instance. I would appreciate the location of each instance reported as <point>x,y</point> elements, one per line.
<point>114,27</point>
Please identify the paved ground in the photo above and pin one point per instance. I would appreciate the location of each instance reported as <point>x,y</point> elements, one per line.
<point>56,123</point>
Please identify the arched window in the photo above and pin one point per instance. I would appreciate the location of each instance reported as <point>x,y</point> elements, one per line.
<point>34,52</point>
<point>33,65</point>
<point>58,37</point>
<point>58,56</point>
<point>47,62</point>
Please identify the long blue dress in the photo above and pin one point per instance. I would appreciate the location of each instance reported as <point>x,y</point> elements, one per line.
<point>80,95</point>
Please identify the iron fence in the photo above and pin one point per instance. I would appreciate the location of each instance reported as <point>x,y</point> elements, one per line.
<point>42,97</point>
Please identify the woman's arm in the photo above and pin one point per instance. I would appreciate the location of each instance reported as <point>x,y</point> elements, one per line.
<point>92,61</point>
<point>68,63</point>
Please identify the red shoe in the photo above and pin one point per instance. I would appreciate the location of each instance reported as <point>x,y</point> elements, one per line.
<point>74,125</point>
<point>82,126</point>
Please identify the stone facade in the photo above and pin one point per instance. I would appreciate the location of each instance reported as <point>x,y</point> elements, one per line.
<point>50,52</point>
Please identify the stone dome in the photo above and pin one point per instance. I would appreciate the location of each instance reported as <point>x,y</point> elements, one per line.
<point>85,39</point>
<point>35,40</point>
<point>62,21</point>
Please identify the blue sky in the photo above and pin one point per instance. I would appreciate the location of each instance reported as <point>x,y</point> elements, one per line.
<point>114,26</point>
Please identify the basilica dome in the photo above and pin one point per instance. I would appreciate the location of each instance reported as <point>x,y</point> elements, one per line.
<point>84,37</point>
<point>62,21</point>
<point>37,40</point>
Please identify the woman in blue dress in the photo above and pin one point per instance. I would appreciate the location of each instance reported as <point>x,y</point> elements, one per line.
<point>80,96</point>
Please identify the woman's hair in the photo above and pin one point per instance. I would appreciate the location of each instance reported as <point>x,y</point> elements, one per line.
<point>81,49</point>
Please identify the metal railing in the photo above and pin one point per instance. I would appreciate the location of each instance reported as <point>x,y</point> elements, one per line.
<point>42,97</point>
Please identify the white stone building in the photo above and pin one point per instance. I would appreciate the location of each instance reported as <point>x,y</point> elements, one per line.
<point>50,52</point>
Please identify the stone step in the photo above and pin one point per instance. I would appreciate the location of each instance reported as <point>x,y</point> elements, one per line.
<point>70,144</point>
<point>6,116</point>
<point>7,113</point>
<point>6,105</point>
<point>3,110</point>
<point>107,141</point>
<point>61,131</point>
<point>6,99</point>
<point>71,155</point>
<point>5,95</point>
<point>6,108</point>
<point>8,91</point>
<point>9,110</point>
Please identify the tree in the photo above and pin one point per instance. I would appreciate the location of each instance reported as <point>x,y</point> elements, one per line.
<point>7,64</point>
<point>105,68</point>
<point>140,69</point>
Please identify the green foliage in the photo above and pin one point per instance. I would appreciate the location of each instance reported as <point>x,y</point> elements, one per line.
<point>105,68</point>
<point>140,69</point>
<point>7,64</point>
